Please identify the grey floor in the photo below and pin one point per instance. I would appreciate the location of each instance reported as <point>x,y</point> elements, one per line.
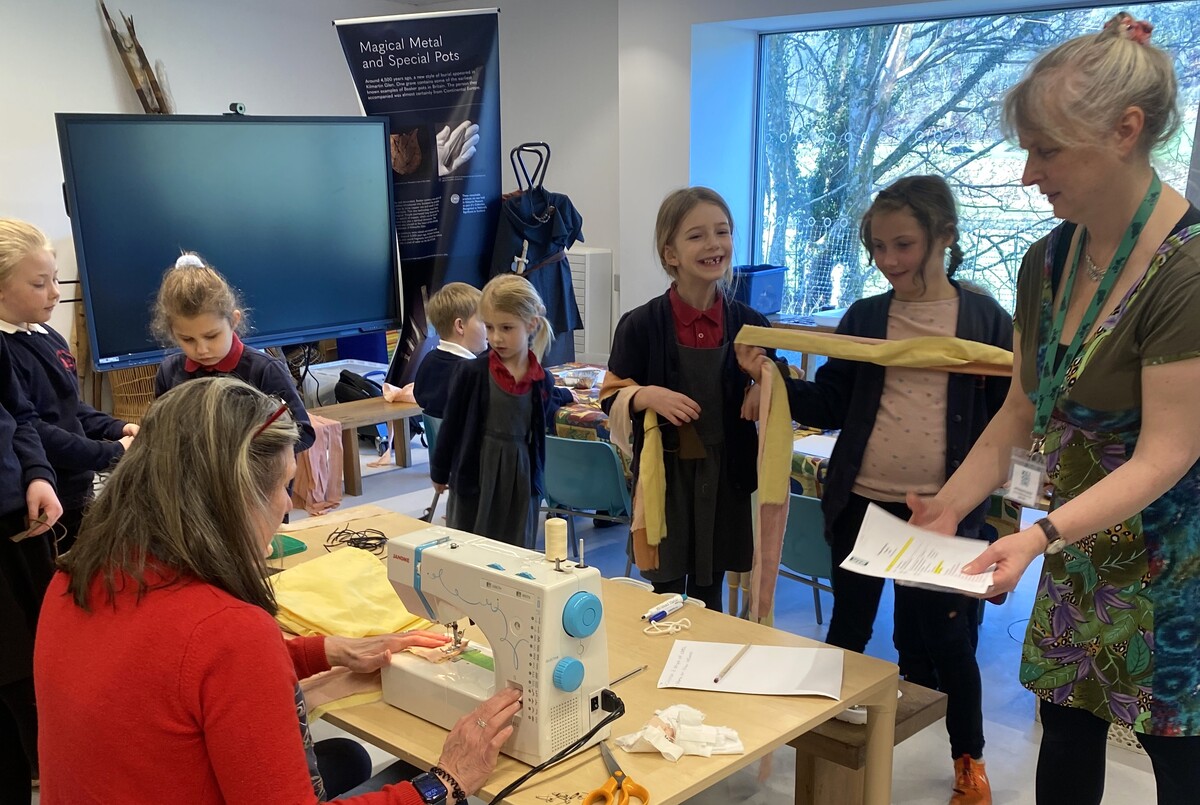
<point>923,771</point>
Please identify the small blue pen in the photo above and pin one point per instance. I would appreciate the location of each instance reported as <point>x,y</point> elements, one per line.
<point>657,616</point>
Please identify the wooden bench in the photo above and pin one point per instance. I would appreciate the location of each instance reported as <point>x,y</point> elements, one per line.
<point>370,411</point>
<point>830,757</point>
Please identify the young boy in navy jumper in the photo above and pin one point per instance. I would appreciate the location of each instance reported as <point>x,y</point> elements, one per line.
<point>453,312</point>
<point>78,439</point>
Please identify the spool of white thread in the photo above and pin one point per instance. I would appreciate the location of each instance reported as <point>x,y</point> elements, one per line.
<point>556,539</point>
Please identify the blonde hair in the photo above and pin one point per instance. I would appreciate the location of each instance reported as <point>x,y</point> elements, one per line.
<point>514,295</point>
<point>1078,91</point>
<point>186,497</point>
<point>454,301</point>
<point>673,210</point>
<point>192,288</point>
<point>18,240</point>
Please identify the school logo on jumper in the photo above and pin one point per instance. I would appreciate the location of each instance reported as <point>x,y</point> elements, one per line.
<point>66,359</point>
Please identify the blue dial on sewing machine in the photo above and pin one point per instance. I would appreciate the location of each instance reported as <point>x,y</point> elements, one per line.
<point>581,616</point>
<point>568,674</point>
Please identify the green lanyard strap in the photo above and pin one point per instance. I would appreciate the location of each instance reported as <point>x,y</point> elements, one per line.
<point>1053,370</point>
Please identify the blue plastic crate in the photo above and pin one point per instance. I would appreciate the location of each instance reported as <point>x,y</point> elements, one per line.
<point>760,287</point>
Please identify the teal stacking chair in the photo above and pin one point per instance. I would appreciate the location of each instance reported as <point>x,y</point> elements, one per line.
<point>432,425</point>
<point>586,478</point>
<point>806,556</point>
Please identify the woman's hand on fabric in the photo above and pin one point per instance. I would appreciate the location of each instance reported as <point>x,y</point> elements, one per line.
<point>366,654</point>
<point>751,403</point>
<point>42,506</point>
<point>676,408</point>
<point>1011,555</point>
<point>750,359</point>
<point>931,514</point>
<point>472,747</point>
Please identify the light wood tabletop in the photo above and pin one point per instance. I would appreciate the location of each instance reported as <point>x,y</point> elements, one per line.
<point>764,723</point>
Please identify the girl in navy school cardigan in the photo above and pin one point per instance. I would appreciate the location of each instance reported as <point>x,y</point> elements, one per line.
<point>78,439</point>
<point>199,312</point>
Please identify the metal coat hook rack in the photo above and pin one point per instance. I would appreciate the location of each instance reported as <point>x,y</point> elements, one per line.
<point>527,180</point>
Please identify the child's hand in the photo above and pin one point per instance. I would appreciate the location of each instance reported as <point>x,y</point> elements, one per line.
<point>675,407</point>
<point>130,429</point>
<point>126,441</point>
<point>750,403</point>
<point>440,488</point>
<point>750,359</point>
<point>41,505</point>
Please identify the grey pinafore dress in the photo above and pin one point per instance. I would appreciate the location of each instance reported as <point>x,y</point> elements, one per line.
<point>704,514</point>
<point>506,508</point>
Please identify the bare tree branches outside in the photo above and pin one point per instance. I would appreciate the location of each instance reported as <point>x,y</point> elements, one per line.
<point>845,112</point>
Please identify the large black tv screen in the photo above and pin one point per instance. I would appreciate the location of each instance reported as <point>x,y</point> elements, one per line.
<point>296,212</point>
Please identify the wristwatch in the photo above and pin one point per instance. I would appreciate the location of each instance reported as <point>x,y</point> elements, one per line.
<point>432,790</point>
<point>1054,540</point>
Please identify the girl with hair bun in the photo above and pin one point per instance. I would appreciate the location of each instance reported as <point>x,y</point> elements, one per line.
<point>907,429</point>
<point>1108,360</point>
<point>197,311</point>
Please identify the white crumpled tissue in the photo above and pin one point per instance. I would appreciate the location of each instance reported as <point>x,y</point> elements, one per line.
<point>680,730</point>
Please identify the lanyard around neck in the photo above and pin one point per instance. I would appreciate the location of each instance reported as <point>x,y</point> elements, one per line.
<point>1053,371</point>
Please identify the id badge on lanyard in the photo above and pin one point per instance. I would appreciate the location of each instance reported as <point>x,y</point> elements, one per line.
<point>1026,476</point>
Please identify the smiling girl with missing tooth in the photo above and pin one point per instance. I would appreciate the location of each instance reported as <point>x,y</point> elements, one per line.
<point>674,356</point>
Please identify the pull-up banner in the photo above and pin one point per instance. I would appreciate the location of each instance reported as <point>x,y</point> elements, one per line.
<point>437,78</point>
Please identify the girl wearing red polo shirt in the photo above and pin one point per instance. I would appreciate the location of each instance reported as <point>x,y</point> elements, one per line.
<point>676,353</point>
<point>200,313</point>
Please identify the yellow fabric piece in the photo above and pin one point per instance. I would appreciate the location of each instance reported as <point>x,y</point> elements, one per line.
<point>346,593</point>
<point>927,352</point>
<point>652,479</point>
<point>775,466</point>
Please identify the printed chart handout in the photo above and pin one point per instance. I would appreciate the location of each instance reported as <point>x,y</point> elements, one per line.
<point>889,548</point>
<point>766,670</point>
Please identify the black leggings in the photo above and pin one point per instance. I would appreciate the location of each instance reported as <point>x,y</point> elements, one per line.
<point>1070,768</point>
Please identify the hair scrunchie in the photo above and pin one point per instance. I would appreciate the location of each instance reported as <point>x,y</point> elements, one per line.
<point>1125,26</point>
<point>189,260</point>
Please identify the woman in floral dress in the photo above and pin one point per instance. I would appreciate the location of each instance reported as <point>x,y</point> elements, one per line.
<point>1108,327</point>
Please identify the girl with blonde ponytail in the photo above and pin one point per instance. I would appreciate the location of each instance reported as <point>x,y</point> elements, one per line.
<point>496,415</point>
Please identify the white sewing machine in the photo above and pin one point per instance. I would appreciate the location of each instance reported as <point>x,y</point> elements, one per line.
<point>544,627</point>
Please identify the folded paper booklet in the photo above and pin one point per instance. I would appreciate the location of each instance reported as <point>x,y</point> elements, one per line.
<point>890,548</point>
<point>766,670</point>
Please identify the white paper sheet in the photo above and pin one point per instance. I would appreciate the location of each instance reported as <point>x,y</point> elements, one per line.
<point>819,446</point>
<point>890,548</point>
<point>766,670</point>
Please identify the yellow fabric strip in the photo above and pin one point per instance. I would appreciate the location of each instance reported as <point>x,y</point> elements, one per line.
<point>928,352</point>
<point>775,466</point>
<point>652,479</point>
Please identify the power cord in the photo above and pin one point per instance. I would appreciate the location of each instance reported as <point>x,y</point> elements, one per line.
<point>609,703</point>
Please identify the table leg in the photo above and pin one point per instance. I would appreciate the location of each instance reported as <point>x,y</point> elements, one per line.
<point>881,736</point>
<point>351,469</point>
<point>402,443</point>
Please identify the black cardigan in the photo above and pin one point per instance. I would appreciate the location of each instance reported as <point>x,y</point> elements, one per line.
<point>845,394</point>
<point>455,461</point>
<point>645,351</point>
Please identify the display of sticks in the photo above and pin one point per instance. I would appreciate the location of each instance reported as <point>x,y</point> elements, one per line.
<point>149,88</point>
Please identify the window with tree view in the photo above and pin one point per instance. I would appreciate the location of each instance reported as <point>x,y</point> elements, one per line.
<point>844,112</point>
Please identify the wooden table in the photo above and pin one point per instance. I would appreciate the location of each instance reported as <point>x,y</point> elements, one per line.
<point>764,723</point>
<point>370,411</point>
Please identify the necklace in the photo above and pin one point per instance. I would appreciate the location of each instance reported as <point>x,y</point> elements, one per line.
<point>1094,271</point>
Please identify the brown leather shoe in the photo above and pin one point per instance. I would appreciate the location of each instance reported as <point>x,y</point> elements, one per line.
<point>971,786</point>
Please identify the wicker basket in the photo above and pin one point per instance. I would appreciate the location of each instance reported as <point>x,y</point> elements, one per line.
<point>132,392</point>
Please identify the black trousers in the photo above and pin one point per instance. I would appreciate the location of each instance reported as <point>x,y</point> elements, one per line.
<point>18,741</point>
<point>935,633</point>
<point>1070,768</point>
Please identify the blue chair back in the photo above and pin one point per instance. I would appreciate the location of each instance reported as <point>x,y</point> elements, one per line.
<point>432,424</point>
<point>806,556</point>
<point>585,475</point>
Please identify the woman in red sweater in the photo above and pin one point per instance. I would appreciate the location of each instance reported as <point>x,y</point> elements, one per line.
<point>160,672</point>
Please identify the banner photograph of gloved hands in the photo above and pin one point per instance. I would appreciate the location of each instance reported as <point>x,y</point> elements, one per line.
<point>456,147</point>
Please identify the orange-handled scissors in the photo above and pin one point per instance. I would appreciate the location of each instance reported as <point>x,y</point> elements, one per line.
<point>619,787</point>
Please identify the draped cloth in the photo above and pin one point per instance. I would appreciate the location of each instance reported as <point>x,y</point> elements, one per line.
<point>649,524</point>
